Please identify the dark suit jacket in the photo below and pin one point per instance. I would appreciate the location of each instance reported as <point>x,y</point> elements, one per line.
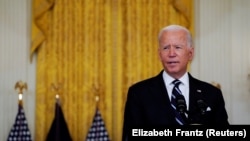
<point>148,105</point>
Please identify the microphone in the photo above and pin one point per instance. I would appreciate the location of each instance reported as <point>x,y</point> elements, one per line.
<point>181,107</point>
<point>202,106</point>
<point>181,104</point>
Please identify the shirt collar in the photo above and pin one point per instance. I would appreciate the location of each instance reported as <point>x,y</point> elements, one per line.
<point>168,79</point>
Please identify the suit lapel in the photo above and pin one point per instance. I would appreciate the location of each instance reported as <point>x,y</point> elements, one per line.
<point>163,99</point>
<point>195,95</point>
<point>161,89</point>
<point>193,91</point>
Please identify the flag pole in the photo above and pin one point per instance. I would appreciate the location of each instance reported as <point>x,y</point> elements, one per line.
<point>59,128</point>
<point>20,128</point>
<point>20,86</point>
<point>97,130</point>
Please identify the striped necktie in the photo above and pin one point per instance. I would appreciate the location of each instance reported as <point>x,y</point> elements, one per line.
<point>178,100</point>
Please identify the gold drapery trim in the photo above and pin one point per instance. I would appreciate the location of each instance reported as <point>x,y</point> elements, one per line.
<point>95,47</point>
<point>40,23</point>
<point>183,7</point>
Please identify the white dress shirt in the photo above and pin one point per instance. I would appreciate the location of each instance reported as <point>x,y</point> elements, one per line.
<point>184,86</point>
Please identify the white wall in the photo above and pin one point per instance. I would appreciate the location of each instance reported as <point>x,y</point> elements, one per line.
<point>14,63</point>
<point>222,41</point>
<point>222,55</point>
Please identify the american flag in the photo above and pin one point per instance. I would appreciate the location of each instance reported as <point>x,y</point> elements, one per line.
<point>20,130</point>
<point>98,132</point>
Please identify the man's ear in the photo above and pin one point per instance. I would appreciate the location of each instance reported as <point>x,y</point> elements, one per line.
<point>191,54</point>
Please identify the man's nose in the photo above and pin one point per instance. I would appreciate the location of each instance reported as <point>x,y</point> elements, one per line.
<point>171,51</point>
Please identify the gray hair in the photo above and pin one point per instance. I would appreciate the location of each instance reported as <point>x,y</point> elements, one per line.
<point>177,27</point>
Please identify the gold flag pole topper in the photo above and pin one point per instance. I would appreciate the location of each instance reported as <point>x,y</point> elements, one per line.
<point>20,86</point>
<point>97,96</point>
<point>57,89</point>
<point>97,99</point>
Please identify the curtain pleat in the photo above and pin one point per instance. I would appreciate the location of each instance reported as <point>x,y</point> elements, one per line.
<point>96,48</point>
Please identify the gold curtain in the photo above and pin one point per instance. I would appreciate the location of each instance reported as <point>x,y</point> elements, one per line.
<point>96,47</point>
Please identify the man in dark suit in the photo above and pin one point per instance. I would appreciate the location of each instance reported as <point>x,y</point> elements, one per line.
<point>149,103</point>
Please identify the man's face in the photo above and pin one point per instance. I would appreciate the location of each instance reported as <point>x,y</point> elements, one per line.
<point>174,52</point>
